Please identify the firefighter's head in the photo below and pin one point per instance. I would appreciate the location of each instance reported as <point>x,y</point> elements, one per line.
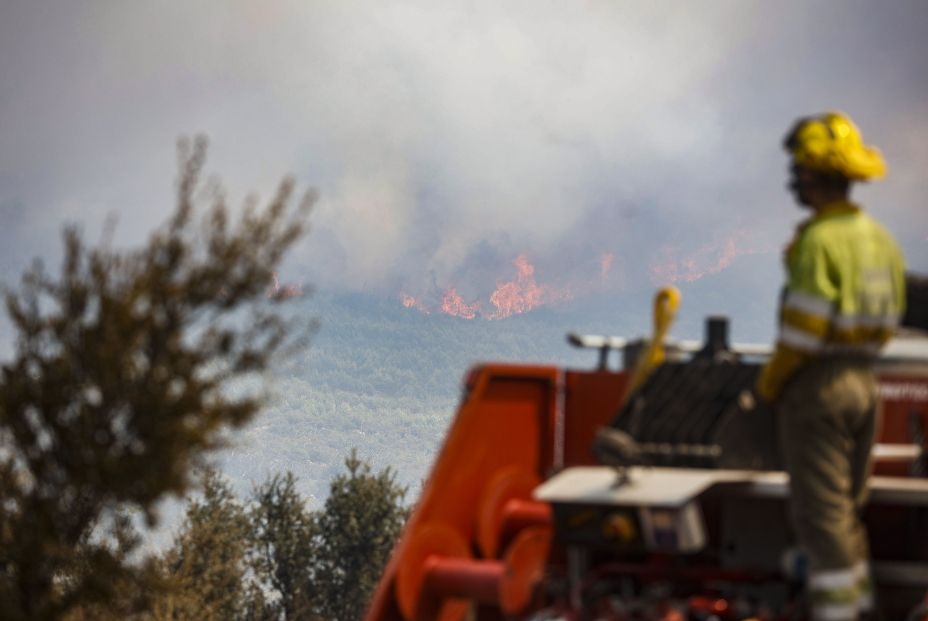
<point>828,154</point>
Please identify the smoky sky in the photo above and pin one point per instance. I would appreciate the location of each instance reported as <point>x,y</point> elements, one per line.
<point>448,138</point>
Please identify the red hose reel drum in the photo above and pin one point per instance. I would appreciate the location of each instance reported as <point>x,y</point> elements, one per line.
<point>437,578</point>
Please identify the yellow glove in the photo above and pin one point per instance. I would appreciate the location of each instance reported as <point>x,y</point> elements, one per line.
<point>781,367</point>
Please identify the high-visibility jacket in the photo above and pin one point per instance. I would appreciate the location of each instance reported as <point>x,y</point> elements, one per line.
<point>845,292</point>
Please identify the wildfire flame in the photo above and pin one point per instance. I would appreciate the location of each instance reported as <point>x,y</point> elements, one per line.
<point>517,296</point>
<point>452,304</point>
<point>513,297</point>
<point>709,259</point>
<point>411,302</point>
<point>524,293</point>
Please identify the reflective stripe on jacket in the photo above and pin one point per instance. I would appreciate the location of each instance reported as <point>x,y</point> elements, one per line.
<point>845,292</point>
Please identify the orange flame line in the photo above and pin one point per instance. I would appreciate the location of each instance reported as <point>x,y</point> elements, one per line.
<point>453,304</point>
<point>693,268</point>
<point>513,297</point>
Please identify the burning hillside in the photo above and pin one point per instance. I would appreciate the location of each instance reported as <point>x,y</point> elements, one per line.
<point>524,293</point>
<point>519,295</point>
<point>709,259</point>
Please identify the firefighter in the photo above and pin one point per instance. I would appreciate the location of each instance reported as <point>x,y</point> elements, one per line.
<point>842,301</point>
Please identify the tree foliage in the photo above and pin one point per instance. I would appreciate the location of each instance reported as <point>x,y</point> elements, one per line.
<point>299,565</point>
<point>357,529</point>
<point>284,537</point>
<point>119,384</point>
<point>206,567</point>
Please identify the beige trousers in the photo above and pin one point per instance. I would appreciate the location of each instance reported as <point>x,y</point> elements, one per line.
<point>827,420</point>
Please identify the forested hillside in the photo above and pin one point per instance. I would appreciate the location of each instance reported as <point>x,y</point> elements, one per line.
<point>383,379</point>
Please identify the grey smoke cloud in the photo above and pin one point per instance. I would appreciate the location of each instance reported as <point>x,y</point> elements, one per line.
<point>450,137</point>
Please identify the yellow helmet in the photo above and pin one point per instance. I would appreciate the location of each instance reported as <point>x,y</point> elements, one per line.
<point>832,144</point>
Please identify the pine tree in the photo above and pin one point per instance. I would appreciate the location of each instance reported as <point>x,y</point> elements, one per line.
<point>284,540</point>
<point>119,385</point>
<point>358,526</point>
<point>206,568</point>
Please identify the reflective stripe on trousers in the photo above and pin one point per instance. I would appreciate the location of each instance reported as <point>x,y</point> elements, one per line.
<point>841,594</point>
<point>834,594</point>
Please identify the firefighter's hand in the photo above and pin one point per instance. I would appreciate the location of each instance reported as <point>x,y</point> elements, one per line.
<point>765,389</point>
<point>779,369</point>
<point>768,385</point>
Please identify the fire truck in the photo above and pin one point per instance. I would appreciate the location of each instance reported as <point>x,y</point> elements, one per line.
<point>649,491</point>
